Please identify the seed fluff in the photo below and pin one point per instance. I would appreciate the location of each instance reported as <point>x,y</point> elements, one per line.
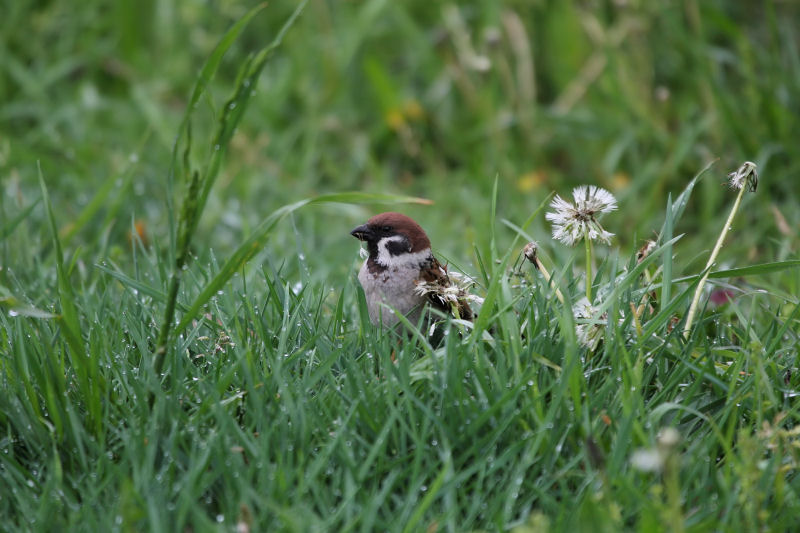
<point>590,330</point>
<point>450,294</point>
<point>572,222</point>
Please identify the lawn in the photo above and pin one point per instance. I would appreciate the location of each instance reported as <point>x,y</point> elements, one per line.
<point>184,345</point>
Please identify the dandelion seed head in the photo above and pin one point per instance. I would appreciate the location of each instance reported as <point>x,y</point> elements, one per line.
<point>590,200</point>
<point>590,324</point>
<point>457,290</point>
<point>572,222</point>
<point>582,309</point>
<point>647,460</point>
<point>588,335</point>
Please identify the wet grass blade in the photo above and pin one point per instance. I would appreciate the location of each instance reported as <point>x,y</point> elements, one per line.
<point>85,368</point>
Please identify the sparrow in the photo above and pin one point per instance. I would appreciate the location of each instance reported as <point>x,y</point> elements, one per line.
<point>401,274</point>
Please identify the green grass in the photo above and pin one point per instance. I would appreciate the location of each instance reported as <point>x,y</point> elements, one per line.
<point>199,357</point>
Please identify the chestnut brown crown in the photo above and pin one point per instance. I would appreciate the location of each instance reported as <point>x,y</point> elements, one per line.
<point>390,224</point>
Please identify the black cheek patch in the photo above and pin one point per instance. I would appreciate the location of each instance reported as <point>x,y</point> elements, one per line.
<point>398,247</point>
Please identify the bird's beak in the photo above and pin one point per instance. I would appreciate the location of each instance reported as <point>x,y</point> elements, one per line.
<point>362,233</point>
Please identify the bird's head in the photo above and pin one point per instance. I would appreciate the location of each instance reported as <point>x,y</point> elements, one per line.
<point>391,237</point>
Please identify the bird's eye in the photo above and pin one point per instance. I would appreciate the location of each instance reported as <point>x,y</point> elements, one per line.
<point>387,228</point>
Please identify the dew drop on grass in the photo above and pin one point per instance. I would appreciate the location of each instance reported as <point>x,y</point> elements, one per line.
<point>220,518</point>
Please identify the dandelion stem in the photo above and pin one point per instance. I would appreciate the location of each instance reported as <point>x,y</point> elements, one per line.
<point>588,242</point>
<point>548,279</point>
<point>712,258</point>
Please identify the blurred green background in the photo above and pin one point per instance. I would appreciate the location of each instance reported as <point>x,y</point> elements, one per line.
<point>435,99</point>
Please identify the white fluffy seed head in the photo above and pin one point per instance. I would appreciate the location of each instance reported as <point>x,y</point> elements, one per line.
<point>572,222</point>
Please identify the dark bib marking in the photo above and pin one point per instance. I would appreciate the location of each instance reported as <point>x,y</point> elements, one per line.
<point>372,248</point>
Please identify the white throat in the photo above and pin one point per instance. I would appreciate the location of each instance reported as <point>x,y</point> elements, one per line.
<point>385,258</point>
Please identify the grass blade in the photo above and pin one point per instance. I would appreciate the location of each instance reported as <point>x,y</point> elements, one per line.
<point>752,270</point>
<point>12,224</point>
<point>200,183</point>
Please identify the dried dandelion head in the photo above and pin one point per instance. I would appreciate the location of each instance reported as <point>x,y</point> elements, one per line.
<point>572,222</point>
<point>744,176</point>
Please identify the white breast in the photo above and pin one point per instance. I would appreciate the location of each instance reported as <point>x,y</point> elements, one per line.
<point>393,289</point>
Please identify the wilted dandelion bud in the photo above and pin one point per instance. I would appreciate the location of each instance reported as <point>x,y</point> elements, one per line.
<point>530,252</point>
<point>645,250</point>
<point>745,175</point>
